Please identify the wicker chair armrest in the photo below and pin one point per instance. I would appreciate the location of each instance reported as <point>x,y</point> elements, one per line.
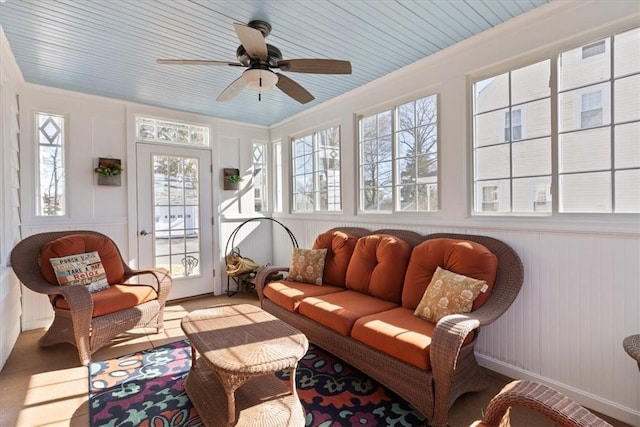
<point>540,398</point>
<point>162,277</point>
<point>450,333</point>
<point>263,274</point>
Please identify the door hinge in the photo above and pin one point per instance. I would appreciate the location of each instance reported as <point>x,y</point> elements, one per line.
<point>211,168</point>
<point>214,272</point>
<point>212,221</point>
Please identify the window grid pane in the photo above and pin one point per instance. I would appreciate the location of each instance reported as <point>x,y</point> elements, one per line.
<point>598,129</point>
<point>316,172</point>
<point>512,144</point>
<point>51,192</point>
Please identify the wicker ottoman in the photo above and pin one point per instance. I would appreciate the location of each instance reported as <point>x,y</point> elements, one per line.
<point>233,382</point>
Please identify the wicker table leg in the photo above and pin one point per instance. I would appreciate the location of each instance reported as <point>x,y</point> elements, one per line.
<point>230,382</point>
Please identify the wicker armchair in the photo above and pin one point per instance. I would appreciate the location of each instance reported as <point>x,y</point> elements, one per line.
<point>90,320</point>
<point>540,398</point>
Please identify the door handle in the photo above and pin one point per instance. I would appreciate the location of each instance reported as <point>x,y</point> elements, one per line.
<point>143,232</point>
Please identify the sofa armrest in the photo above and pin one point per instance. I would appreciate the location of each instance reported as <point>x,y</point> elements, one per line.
<point>263,274</point>
<point>446,343</point>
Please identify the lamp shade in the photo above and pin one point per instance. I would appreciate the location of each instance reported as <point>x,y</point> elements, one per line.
<point>261,80</point>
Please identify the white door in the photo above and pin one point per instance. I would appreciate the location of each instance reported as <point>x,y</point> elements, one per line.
<point>174,216</point>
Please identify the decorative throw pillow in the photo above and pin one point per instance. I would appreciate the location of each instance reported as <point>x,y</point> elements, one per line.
<point>81,269</point>
<point>448,293</point>
<point>307,265</point>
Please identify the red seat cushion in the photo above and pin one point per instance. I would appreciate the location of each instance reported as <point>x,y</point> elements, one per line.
<point>340,310</point>
<point>399,333</point>
<point>116,298</point>
<point>74,244</point>
<point>289,294</point>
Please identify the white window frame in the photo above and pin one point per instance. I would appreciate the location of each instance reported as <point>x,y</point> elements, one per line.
<point>607,110</point>
<point>315,173</point>
<point>38,211</point>
<point>395,184</point>
<point>260,189</point>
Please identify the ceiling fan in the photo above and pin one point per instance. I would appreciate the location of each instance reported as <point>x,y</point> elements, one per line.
<point>259,58</point>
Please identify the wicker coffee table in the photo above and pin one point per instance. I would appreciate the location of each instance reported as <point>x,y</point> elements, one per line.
<point>243,345</point>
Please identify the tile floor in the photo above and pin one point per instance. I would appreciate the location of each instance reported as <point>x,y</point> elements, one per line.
<point>48,387</point>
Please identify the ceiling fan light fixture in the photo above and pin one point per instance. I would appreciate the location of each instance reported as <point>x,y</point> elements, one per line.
<point>262,80</point>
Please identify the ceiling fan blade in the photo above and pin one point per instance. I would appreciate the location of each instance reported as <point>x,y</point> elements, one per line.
<point>232,90</point>
<point>293,89</point>
<point>316,66</point>
<point>252,40</point>
<point>197,62</point>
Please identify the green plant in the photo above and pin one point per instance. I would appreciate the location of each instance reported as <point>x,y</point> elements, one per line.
<point>108,168</point>
<point>234,178</point>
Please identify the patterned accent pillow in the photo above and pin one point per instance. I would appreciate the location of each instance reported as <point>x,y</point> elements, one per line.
<point>307,265</point>
<point>81,269</point>
<point>448,293</point>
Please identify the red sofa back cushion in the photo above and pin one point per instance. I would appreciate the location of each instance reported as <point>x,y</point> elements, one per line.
<point>340,248</point>
<point>378,265</point>
<point>460,256</point>
<point>74,244</point>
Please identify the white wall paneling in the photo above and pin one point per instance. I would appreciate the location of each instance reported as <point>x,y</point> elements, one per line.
<point>10,308</point>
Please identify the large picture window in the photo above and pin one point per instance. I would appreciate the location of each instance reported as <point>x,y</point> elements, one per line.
<point>591,152</point>
<point>51,189</point>
<point>399,158</point>
<point>316,172</point>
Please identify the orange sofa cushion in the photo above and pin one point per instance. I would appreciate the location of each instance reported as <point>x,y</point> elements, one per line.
<point>377,266</point>
<point>116,298</point>
<point>339,247</point>
<point>459,256</point>
<point>340,310</point>
<point>289,294</point>
<point>73,244</point>
<point>399,333</point>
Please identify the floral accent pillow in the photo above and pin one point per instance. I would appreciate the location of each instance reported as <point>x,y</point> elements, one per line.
<point>307,265</point>
<point>81,269</point>
<point>448,293</point>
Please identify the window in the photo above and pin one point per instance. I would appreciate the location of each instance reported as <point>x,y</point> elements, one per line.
<point>277,178</point>
<point>51,165</point>
<point>593,49</point>
<point>166,132</point>
<point>399,158</point>
<point>316,172</point>
<point>513,123</point>
<point>596,134</point>
<point>512,138</point>
<point>591,112</point>
<point>259,177</point>
<point>490,198</point>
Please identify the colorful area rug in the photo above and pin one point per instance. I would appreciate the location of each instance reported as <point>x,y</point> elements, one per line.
<point>146,389</point>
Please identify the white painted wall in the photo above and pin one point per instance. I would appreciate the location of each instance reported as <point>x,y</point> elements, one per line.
<point>581,293</point>
<point>10,80</point>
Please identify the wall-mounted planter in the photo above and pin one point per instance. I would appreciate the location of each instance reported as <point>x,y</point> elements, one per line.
<point>115,180</point>
<point>109,171</point>
<point>231,178</point>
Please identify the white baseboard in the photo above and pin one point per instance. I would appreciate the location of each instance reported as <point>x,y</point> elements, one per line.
<point>612,409</point>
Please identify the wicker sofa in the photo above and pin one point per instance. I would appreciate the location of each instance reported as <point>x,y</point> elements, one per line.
<point>364,310</point>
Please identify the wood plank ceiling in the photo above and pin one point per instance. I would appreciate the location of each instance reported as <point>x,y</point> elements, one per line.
<point>109,48</point>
